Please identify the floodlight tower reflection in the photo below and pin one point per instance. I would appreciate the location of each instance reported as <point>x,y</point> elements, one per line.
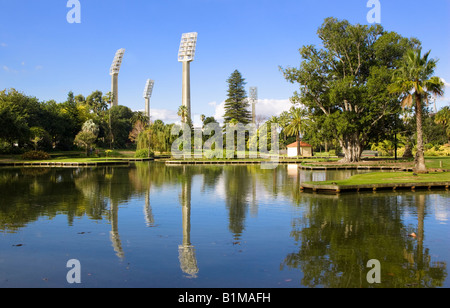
<point>186,251</point>
<point>186,55</point>
<point>114,72</point>
<point>147,94</point>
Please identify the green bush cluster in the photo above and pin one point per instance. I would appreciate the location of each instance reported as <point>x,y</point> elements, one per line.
<point>143,153</point>
<point>35,155</point>
<point>443,150</point>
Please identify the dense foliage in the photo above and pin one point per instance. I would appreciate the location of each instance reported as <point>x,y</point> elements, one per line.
<point>343,85</point>
<point>28,123</point>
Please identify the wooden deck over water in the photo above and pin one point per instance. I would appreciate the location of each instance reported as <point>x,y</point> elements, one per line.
<point>229,162</point>
<point>377,168</point>
<point>334,188</point>
<point>55,164</point>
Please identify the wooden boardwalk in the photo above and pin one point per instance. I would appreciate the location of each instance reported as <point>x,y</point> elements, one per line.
<point>334,188</point>
<point>55,164</point>
<point>229,162</point>
<point>377,168</point>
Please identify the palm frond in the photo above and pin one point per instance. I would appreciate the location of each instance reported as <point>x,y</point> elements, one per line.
<point>435,86</point>
<point>407,101</point>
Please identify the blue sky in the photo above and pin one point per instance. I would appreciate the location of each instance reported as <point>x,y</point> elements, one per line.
<point>43,55</point>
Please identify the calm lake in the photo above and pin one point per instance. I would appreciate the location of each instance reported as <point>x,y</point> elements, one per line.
<point>151,225</point>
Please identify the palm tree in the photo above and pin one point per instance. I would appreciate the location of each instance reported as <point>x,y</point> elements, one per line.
<point>414,81</point>
<point>283,121</point>
<point>295,126</point>
<point>182,112</point>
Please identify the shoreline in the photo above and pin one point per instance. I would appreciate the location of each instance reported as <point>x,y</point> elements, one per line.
<point>93,163</point>
<point>381,181</point>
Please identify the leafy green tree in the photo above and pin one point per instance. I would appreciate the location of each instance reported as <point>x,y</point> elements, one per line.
<point>141,117</point>
<point>296,125</point>
<point>85,139</point>
<point>121,125</point>
<point>344,84</point>
<point>13,126</point>
<point>23,106</point>
<point>87,136</point>
<point>97,102</point>
<point>40,138</point>
<point>434,134</point>
<point>71,113</point>
<point>443,118</point>
<point>208,120</point>
<point>415,83</point>
<point>156,137</point>
<point>236,105</point>
<point>138,128</point>
<point>90,126</point>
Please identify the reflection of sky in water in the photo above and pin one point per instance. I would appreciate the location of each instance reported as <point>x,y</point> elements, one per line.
<point>235,226</point>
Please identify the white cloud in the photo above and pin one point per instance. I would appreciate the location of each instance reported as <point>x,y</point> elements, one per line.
<point>446,84</point>
<point>3,45</point>
<point>171,116</point>
<point>165,115</point>
<point>272,107</point>
<point>444,100</point>
<point>8,69</point>
<point>220,111</point>
<point>264,107</point>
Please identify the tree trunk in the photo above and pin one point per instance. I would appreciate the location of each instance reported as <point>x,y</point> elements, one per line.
<point>298,144</point>
<point>352,148</point>
<point>420,159</point>
<point>408,150</point>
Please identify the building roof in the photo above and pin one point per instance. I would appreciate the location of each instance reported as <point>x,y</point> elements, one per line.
<point>302,144</point>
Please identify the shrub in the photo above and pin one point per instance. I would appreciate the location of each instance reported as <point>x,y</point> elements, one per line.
<point>213,154</point>
<point>438,151</point>
<point>35,155</point>
<point>113,153</point>
<point>143,153</point>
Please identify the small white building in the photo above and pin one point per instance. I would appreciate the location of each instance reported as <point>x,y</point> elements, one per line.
<point>305,149</point>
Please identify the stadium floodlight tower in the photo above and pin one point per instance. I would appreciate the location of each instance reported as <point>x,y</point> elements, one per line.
<point>253,101</point>
<point>147,94</point>
<point>114,72</point>
<point>186,55</point>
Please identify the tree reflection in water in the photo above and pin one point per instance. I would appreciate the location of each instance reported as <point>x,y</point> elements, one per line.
<point>335,235</point>
<point>338,235</point>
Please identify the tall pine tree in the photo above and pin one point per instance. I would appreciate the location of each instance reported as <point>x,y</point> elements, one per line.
<point>236,105</point>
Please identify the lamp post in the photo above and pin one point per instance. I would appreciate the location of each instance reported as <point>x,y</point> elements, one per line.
<point>114,72</point>
<point>253,101</point>
<point>147,94</point>
<point>186,55</point>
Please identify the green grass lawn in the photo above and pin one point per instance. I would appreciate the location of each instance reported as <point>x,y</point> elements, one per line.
<point>434,162</point>
<point>389,177</point>
<point>73,156</point>
<point>77,159</point>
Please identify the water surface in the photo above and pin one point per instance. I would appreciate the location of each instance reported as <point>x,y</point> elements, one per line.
<point>151,225</point>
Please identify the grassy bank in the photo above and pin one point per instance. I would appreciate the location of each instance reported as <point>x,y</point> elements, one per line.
<point>389,178</point>
<point>432,162</point>
<point>435,162</point>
